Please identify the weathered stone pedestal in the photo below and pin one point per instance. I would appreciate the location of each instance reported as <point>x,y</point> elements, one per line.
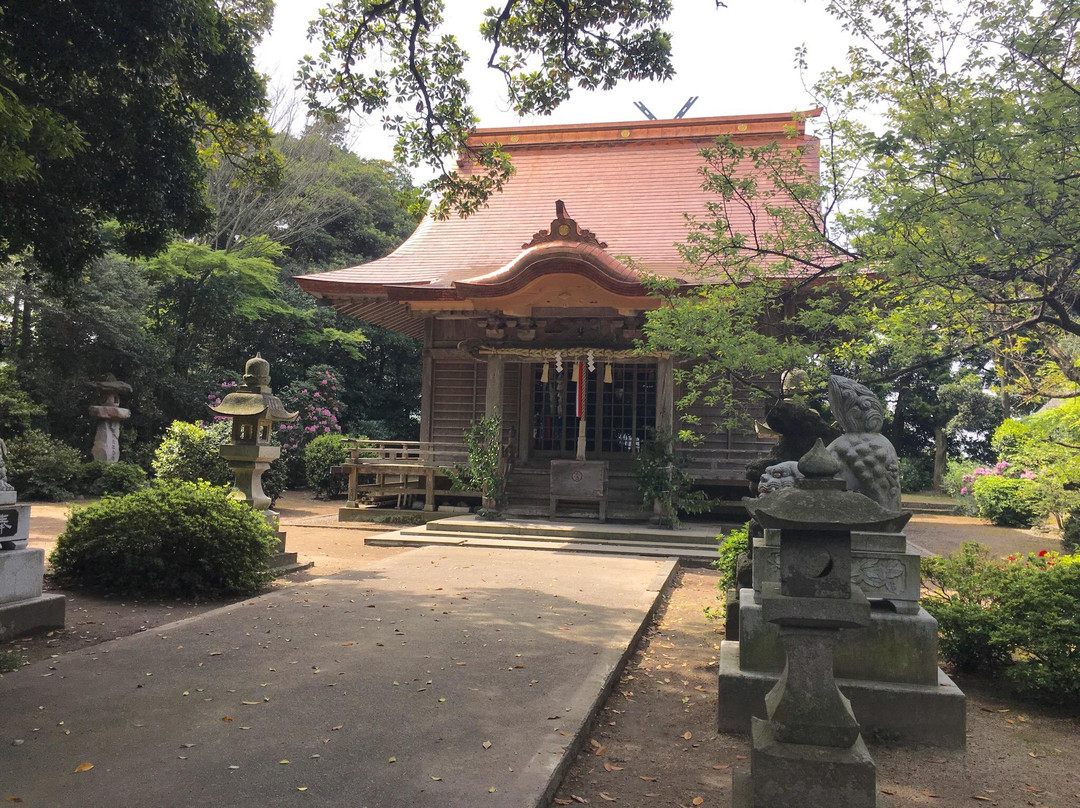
<point>889,670</point>
<point>23,607</point>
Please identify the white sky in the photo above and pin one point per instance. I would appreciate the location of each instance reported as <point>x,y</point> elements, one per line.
<point>738,60</point>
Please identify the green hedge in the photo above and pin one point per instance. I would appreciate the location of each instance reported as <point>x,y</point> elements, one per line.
<point>41,467</point>
<point>1019,617</point>
<point>175,539</point>
<point>98,478</point>
<point>1008,502</point>
<point>323,453</point>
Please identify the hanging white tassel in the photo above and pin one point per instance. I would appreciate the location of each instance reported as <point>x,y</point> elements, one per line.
<point>575,376</point>
<point>558,361</point>
<point>607,374</point>
<point>592,363</point>
<point>544,374</point>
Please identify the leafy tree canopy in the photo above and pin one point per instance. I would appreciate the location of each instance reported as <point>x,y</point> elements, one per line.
<point>103,109</point>
<point>943,223</point>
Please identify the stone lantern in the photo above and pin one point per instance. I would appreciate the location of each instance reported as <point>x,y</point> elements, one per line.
<point>254,409</point>
<point>810,750</point>
<point>110,415</point>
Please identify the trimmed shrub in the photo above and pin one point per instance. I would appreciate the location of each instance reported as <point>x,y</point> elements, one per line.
<point>320,455</point>
<point>98,478</point>
<point>916,474</point>
<point>1019,617</point>
<point>732,545</point>
<point>961,587</point>
<point>41,467</point>
<point>1008,502</point>
<point>189,452</point>
<point>175,539</point>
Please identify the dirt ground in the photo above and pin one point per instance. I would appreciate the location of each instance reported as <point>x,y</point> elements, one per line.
<point>655,742</point>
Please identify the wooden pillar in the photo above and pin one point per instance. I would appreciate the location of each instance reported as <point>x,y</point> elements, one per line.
<point>427,383</point>
<point>665,395</point>
<point>493,401</point>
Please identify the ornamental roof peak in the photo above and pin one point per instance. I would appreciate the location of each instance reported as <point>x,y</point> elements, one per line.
<point>563,228</point>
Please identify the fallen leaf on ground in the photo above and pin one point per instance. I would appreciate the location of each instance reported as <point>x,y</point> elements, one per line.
<point>600,750</point>
<point>433,777</point>
<point>486,744</point>
<point>687,736</point>
<point>607,797</point>
<point>249,703</point>
<point>283,761</point>
<point>301,788</point>
<point>392,760</point>
<point>721,766</point>
<point>576,798</point>
<point>492,790</point>
<point>84,767</point>
<point>561,801</point>
<point>612,768</point>
<point>647,779</point>
<point>929,794</point>
<point>981,798</point>
<point>698,801</point>
<point>227,718</point>
<point>335,729</point>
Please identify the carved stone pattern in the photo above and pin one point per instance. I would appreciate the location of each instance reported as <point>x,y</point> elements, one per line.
<point>879,574</point>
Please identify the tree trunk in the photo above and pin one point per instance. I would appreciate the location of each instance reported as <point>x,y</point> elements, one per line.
<point>941,446</point>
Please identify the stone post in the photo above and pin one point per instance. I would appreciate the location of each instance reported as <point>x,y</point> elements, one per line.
<point>809,751</point>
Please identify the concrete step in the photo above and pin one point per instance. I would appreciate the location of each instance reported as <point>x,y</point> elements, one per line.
<point>420,532</point>
<point>946,508</point>
<point>686,554</point>
<point>594,531</point>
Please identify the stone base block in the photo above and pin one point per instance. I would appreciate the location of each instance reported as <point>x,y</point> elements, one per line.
<point>27,616</point>
<point>21,572</point>
<point>934,715</point>
<point>14,524</point>
<point>893,648</point>
<point>795,776</point>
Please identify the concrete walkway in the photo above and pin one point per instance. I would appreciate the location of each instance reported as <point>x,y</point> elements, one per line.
<point>438,677</point>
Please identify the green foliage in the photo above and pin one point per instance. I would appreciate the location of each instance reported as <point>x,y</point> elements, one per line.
<point>942,223</point>
<point>11,660</point>
<point>190,452</point>
<point>1020,617</point>
<point>961,598</point>
<point>485,471</point>
<point>1045,442</point>
<point>732,545</point>
<point>1008,502</point>
<point>110,128</point>
<point>98,478</point>
<point>661,477</point>
<point>1070,534</point>
<point>171,539</point>
<point>916,474</point>
<point>16,407</point>
<point>320,455</point>
<point>41,467</point>
<point>954,484</point>
<point>419,86</point>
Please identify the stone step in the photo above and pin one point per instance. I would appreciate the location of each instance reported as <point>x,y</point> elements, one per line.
<point>695,534</point>
<point>628,539</point>
<point>946,508</point>
<point>686,554</point>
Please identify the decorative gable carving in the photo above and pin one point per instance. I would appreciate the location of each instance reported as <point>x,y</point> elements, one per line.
<point>563,228</point>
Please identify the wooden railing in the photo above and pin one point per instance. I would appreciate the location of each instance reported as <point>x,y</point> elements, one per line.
<point>405,467</point>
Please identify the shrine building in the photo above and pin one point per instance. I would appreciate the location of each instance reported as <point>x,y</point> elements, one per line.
<point>529,308</point>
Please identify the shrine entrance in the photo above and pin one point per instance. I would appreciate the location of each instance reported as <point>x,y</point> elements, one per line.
<point>618,401</point>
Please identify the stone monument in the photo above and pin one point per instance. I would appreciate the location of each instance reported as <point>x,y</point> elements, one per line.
<point>810,751</point>
<point>110,415</point>
<point>254,409</point>
<point>23,607</point>
<point>889,669</point>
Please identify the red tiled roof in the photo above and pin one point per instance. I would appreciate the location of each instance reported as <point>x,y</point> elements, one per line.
<point>629,183</point>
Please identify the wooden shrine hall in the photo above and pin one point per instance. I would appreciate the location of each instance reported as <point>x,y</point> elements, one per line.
<point>535,318</point>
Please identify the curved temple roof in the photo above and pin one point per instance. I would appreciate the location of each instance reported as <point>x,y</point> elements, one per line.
<point>631,184</point>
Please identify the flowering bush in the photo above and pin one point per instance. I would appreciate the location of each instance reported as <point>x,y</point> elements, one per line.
<point>1006,495</point>
<point>317,397</point>
<point>1019,617</point>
